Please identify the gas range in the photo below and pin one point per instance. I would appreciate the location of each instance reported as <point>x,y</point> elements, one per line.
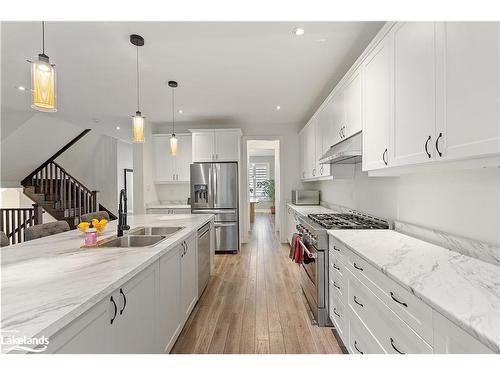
<point>315,226</point>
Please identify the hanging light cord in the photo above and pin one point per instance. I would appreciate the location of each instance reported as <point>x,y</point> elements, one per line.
<point>173,111</point>
<point>137,80</point>
<point>43,37</point>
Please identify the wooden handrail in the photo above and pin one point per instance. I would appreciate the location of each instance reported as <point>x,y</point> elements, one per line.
<point>14,221</point>
<point>53,157</point>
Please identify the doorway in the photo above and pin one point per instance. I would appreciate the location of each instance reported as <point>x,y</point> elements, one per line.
<point>262,183</point>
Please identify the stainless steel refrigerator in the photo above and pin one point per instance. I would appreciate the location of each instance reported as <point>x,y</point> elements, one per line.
<point>214,190</point>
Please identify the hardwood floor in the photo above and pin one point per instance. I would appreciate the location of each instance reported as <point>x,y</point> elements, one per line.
<point>254,304</point>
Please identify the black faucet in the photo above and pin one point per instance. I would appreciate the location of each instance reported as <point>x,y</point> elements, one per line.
<point>122,213</point>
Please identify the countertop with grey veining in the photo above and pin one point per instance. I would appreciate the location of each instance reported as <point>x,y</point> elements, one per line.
<point>48,282</point>
<point>463,289</point>
<point>310,209</point>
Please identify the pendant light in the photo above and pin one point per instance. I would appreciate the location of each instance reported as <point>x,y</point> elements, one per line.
<point>173,138</point>
<point>43,81</point>
<point>138,119</point>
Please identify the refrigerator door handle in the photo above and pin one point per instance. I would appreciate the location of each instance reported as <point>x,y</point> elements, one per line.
<point>214,185</point>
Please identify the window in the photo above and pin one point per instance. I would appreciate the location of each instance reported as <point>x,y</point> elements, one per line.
<point>256,173</point>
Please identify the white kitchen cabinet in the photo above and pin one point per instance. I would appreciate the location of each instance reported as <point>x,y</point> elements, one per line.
<point>471,126</point>
<point>353,105</point>
<point>189,276</point>
<point>378,106</point>
<point>91,333</point>
<point>169,211</point>
<point>216,145</point>
<point>322,133</point>
<point>309,151</point>
<point>170,298</point>
<point>203,147</point>
<point>450,339</point>
<point>414,92</point>
<point>169,168</point>
<point>136,330</point>
<point>302,154</point>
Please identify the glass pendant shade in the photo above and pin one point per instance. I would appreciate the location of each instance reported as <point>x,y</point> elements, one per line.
<point>138,127</point>
<point>173,145</point>
<point>43,85</point>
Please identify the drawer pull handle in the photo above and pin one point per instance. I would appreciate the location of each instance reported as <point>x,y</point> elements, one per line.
<point>394,347</point>
<point>356,346</point>
<point>335,312</point>
<point>124,301</point>
<point>357,267</point>
<point>336,267</point>
<point>336,248</point>
<point>395,299</point>
<point>336,286</point>
<point>359,303</point>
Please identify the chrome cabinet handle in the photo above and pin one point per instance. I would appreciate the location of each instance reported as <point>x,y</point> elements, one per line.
<point>321,171</point>
<point>359,303</point>
<point>314,171</point>
<point>357,267</point>
<point>335,312</point>
<point>395,299</point>
<point>116,310</point>
<point>426,150</point>
<point>336,267</point>
<point>336,286</point>
<point>336,248</point>
<point>437,145</point>
<point>124,301</point>
<point>356,347</point>
<point>394,347</point>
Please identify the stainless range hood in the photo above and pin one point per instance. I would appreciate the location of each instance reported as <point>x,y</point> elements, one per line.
<point>347,151</point>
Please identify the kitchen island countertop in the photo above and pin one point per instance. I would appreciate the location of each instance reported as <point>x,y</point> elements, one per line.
<point>49,282</point>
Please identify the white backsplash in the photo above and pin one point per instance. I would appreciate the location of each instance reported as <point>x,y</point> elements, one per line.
<point>173,192</point>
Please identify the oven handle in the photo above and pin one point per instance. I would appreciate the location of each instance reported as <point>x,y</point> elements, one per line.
<point>309,254</point>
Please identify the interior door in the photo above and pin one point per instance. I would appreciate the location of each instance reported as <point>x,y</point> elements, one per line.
<point>414,92</point>
<point>225,183</point>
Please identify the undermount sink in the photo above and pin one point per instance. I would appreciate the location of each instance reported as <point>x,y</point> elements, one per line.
<point>132,241</point>
<point>155,231</point>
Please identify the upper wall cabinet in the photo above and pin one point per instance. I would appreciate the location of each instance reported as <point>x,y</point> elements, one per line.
<point>414,92</point>
<point>353,105</point>
<point>378,106</point>
<point>169,168</point>
<point>445,95</point>
<point>471,122</point>
<point>216,145</point>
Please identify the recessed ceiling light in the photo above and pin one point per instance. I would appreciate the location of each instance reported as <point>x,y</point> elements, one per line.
<point>278,107</point>
<point>117,128</point>
<point>181,111</point>
<point>21,88</point>
<point>299,31</point>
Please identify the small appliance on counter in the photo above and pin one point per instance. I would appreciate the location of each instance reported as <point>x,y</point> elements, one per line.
<point>305,197</point>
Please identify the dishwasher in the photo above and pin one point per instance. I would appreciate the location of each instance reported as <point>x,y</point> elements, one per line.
<point>203,258</point>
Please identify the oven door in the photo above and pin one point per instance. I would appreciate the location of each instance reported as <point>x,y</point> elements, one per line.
<point>309,278</point>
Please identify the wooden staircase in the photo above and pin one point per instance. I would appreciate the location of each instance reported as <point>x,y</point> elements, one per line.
<point>59,193</point>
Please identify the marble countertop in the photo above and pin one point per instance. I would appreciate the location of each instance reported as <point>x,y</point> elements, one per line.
<point>306,210</point>
<point>463,289</point>
<point>48,282</point>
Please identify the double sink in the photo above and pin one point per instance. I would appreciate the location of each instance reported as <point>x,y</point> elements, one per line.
<point>140,237</point>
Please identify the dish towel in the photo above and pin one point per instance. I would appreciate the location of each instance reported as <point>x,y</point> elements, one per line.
<point>298,255</point>
<point>293,245</point>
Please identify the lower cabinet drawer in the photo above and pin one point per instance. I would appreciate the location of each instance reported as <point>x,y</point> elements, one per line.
<point>361,341</point>
<point>338,249</point>
<point>413,311</point>
<point>339,288</point>
<point>337,314</point>
<point>393,334</point>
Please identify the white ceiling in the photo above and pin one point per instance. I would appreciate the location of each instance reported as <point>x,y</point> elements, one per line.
<point>228,73</point>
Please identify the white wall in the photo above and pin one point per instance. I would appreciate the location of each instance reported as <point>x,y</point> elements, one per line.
<point>93,161</point>
<point>124,159</point>
<point>461,202</point>
<point>30,144</point>
<point>143,162</point>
